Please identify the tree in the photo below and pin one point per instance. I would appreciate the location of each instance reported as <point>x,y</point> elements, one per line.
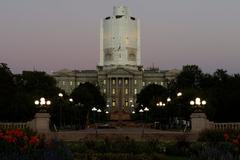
<point>7,91</point>
<point>18,92</point>
<point>88,96</point>
<point>37,83</point>
<point>190,77</point>
<point>148,97</point>
<point>224,96</point>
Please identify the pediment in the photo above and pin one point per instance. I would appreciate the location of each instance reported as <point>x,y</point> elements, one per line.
<point>120,72</point>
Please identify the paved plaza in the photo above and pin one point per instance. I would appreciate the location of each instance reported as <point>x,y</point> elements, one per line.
<point>134,133</point>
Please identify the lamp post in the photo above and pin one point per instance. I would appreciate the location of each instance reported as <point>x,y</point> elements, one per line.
<point>41,123</point>
<point>99,112</point>
<point>141,114</point>
<point>199,121</point>
<point>42,103</point>
<point>146,109</point>
<point>180,118</point>
<point>161,105</point>
<point>94,109</point>
<point>60,110</point>
<point>198,104</point>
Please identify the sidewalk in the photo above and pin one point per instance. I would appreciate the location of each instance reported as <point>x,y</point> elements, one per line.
<point>134,133</point>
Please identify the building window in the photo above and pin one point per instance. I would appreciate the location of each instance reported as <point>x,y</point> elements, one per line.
<point>126,103</point>
<point>126,81</point>
<point>126,90</point>
<point>63,83</point>
<point>113,103</point>
<point>135,91</point>
<point>113,81</point>
<point>119,81</point>
<point>113,91</point>
<point>104,90</point>
<point>143,83</point>
<point>135,81</point>
<point>104,81</point>
<point>71,83</point>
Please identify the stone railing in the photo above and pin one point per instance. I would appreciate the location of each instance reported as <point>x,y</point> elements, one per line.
<point>224,126</point>
<point>40,123</point>
<point>11,125</point>
<point>200,122</point>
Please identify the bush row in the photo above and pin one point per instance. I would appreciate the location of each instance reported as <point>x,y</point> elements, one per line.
<point>17,144</point>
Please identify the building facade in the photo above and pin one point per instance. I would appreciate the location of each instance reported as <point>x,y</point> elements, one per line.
<point>119,74</point>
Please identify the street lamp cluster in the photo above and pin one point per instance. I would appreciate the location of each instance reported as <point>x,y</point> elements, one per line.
<point>162,104</point>
<point>198,104</point>
<point>141,111</point>
<point>43,103</point>
<point>61,95</point>
<point>94,109</point>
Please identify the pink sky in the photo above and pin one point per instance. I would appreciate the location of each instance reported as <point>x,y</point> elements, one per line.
<point>51,35</point>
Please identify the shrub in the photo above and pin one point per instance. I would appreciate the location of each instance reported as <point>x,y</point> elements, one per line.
<point>213,151</point>
<point>120,156</point>
<point>16,144</point>
<point>211,136</point>
<point>217,143</point>
<point>118,145</point>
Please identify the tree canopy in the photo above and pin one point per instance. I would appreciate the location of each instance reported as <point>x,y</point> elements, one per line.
<point>220,90</point>
<point>18,93</point>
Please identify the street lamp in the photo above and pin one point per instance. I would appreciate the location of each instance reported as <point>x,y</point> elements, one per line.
<point>168,99</point>
<point>60,110</point>
<point>141,114</point>
<point>198,104</point>
<point>94,109</point>
<point>179,94</point>
<point>141,111</point>
<point>43,103</point>
<point>60,94</point>
<point>146,109</point>
<point>161,104</point>
<point>99,112</point>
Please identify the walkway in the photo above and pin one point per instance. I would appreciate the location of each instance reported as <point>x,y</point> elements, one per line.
<point>135,133</point>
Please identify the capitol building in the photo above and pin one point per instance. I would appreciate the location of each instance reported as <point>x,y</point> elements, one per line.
<point>119,74</point>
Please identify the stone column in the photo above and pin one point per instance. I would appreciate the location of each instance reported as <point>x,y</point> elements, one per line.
<point>199,122</point>
<point>41,122</point>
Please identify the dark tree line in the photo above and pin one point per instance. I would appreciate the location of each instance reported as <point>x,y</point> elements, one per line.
<point>220,90</point>
<point>18,93</point>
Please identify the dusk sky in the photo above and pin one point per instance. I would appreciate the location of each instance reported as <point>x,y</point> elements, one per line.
<point>50,35</point>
